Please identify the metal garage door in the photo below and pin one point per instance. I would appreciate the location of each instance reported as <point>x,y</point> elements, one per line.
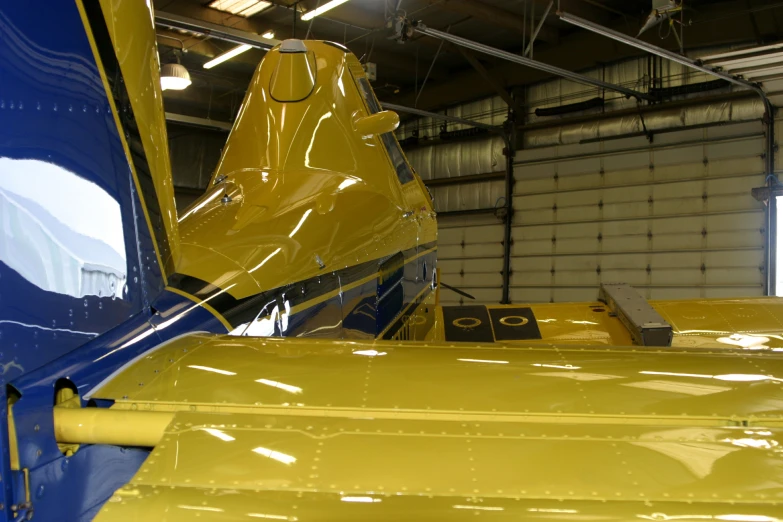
<point>470,246</point>
<point>674,218</point>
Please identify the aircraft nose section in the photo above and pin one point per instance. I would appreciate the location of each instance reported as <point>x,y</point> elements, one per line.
<point>294,77</point>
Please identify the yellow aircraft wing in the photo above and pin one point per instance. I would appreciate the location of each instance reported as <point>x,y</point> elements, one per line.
<point>304,429</point>
<point>742,323</point>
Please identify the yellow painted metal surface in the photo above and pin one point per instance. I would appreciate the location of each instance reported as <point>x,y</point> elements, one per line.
<point>744,324</point>
<point>132,31</point>
<point>103,426</point>
<point>300,191</point>
<point>295,429</point>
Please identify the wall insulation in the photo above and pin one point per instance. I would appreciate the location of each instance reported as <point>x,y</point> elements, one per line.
<point>661,201</point>
<point>470,249</point>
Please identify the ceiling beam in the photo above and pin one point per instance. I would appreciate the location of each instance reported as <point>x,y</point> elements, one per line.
<point>499,89</point>
<point>581,50</point>
<point>497,17</point>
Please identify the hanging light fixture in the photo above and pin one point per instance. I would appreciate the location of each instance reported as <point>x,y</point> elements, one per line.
<point>174,76</point>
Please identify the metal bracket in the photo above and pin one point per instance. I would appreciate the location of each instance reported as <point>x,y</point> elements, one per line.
<point>646,326</point>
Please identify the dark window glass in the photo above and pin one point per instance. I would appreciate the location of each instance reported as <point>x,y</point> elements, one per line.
<point>404,173</point>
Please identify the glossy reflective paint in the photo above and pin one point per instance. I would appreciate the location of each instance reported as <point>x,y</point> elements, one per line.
<point>745,324</point>
<point>65,276</point>
<point>299,192</point>
<point>292,428</point>
<point>72,489</point>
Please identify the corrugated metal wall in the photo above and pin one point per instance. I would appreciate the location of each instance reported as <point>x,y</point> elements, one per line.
<point>470,251</point>
<point>194,153</point>
<point>598,202</point>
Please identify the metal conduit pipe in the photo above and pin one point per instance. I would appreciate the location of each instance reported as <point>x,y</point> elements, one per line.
<point>769,118</point>
<point>511,57</point>
<point>106,426</point>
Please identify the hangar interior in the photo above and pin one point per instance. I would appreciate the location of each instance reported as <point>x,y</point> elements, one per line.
<point>225,293</point>
<point>654,190</point>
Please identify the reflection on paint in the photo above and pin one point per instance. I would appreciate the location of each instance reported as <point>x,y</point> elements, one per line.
<point>220,434</point>
<point>201,508</point>
<point>488,361</point>
<point>753,443</point>
<point>281,385</point>
<point>271,517</point>
<point>733,377</point>
<point>301,222</point>
<point>275,455</point>
<point>267,258</point>
<point>734,517</point>
<point>50,234</point>
<point>369,353</point>
<point>210,369</point>
<point>347,183</point>
<point>748,342</point>
<point>478,508</point>
<point>361,500</point>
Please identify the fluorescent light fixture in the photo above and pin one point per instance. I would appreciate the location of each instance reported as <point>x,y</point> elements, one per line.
<point>488,361</point>
<point>268,35</point>
<point>239,49</point>
<point>210,369</point>
<point>271,517</point>
<point>222,435</point>
<point>559,366</point>
<point>321,10</point>
<point>174,76</point>
<point>275,455</point>
<point>240,7</point>
<point>283,386</point>
<point>363,500</point>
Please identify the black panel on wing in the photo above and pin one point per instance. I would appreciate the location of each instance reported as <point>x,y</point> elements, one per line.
<point>467,324</point>
<point>514,324</point>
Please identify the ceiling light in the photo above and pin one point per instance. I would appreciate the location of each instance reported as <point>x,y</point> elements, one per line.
<point>268,35</point>
<point>174,76</point>
<point>226,56</point>
<point>240,7</point>
<point>321,10</point>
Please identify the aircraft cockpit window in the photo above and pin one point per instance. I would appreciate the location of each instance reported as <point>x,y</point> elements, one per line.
<point>404,172</point>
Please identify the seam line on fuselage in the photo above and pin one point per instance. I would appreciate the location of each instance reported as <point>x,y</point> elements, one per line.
<point>94,21</point>
<point>300,307</point>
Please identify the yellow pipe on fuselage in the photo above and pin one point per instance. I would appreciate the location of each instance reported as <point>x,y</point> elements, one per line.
<point>106,426</point>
